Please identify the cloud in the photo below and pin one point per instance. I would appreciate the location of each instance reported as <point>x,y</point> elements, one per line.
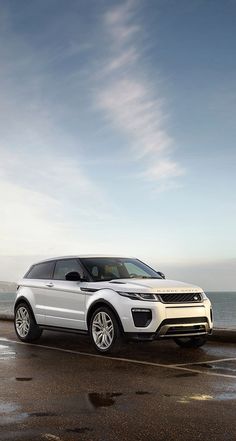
<point>130,102</point>
<point>50,203</point>
<point>130,107</point>
<point>118,20</point>
<point>126,58</point>
<point>164,169</point>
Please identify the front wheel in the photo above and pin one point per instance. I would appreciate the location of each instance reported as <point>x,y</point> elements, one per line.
<point>26,327</point>
<point>104,330</point>
<point>191,342</point>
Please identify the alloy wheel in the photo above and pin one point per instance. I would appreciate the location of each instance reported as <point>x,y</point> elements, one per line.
<point>22,322</point>
<point>103,330</point>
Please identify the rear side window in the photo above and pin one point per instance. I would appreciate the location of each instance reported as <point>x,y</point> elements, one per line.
<point>41,271</point>
<point>64,267</point>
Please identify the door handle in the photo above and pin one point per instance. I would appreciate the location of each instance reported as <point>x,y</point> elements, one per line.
<point>50,284</point>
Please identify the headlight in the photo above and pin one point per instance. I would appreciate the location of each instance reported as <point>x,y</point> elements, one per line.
<point>139,296</point>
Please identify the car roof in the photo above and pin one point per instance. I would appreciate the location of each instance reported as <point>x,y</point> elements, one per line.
<point>84,256</point>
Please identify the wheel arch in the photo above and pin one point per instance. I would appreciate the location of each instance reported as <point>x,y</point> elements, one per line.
<point>23,299</point>
<point>99,303</point>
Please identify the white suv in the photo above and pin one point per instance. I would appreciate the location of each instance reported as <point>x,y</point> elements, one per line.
<point>110,298</point>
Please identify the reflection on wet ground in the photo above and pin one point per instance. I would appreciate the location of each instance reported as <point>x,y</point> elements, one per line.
<point>223,366</point>
<point>11,413</point>
<point>60,396</point>
<point>6,352</point>
<point>203,397</point>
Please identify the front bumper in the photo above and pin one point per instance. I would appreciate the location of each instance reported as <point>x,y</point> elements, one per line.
<point>171,328</point>
<point>167,320</point>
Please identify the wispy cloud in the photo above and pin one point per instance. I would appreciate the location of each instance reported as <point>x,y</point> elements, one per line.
<point>164,169</point>
<point>131,103</point>
<point>49,202</point>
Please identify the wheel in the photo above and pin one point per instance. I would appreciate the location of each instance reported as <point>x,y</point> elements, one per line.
<point>25,325</point>
<point>191,342</point>
<point>104,330</point>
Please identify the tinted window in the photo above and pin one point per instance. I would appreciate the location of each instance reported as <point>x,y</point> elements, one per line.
<point>41,271</point>
<point>65,266</point>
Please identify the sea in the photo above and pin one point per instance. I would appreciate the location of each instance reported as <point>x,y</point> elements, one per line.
<point>223,303</point>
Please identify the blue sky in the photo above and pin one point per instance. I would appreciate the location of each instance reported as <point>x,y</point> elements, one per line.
<point>118,130</point>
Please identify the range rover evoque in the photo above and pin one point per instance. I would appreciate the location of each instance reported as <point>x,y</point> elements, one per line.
<point>110,298</point>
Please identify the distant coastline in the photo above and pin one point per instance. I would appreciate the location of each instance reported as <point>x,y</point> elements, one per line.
<point>224,305</point>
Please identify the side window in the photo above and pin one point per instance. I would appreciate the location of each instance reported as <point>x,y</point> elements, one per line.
<point>42,270</point>
<point>65,266</point>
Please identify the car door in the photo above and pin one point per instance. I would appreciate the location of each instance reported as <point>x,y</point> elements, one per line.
<point>36,284</point>
<point>65,300</point>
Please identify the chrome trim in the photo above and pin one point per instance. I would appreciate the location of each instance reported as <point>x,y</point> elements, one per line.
<point>165,328</point>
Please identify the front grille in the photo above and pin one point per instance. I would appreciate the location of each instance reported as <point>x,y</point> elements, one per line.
<point>186,297</point>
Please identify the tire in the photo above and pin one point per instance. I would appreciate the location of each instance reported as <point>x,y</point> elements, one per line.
<point>26,327</point>
<point>104,330</point>
<point>191,342</point>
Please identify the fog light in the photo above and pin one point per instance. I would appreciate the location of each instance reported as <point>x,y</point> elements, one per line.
<point>141,317</point>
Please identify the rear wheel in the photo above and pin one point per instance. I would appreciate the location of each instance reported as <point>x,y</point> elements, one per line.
<point>25,325</point>
<point>104,330</point>
<point>191,342</point>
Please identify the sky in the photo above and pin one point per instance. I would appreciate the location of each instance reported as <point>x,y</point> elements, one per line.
<point>118,134</point>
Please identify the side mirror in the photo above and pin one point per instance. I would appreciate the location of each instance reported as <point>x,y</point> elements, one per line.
<point>73,276</point>
<point>161,274</point>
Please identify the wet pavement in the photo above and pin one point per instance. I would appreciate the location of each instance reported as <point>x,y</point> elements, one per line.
<point>59,389</point>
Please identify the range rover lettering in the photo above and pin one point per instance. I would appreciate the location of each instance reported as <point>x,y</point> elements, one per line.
<point>111,299</point>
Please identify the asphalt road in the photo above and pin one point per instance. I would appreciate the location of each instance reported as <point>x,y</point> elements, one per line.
<point>60,390</point>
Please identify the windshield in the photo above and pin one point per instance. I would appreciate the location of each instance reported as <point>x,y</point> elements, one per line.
<point>109,268</point>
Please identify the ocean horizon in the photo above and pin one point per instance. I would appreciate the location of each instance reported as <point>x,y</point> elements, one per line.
<point>223,303</point>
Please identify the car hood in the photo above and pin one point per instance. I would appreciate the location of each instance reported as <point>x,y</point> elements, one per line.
<point>151,285</point>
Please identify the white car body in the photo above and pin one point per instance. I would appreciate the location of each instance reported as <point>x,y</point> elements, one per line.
<point>177,309</point>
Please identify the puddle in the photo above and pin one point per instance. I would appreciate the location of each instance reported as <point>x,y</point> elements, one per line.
<point>103,399</point>
<point>23,378</point>
<point>79,430</point>
<point>6,352</point>
<point>41,414</point>
<point>8,413</point>
<point>194,374</point>
<point>142,392</point>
